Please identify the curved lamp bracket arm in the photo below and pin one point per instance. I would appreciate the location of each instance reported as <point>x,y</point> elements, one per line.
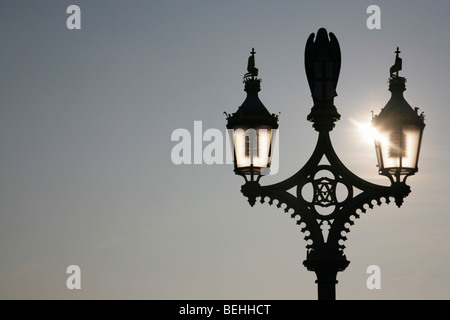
<point>358,193</point>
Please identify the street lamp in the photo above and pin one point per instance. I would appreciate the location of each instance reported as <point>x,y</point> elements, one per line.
<point>326,214</point>
<point>399,131</point>
<point>253,129</point>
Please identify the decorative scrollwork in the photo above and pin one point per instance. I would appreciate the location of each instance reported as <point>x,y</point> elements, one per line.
<point>337,223</point>
<point>324,192</point>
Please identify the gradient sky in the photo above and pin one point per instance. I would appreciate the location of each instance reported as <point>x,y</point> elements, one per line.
<point>86,175</point>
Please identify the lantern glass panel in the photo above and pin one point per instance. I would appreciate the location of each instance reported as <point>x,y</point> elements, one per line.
<point>388,149</point>
<point>252,147</point>
<point>411,136</point>
<point>397,149</point>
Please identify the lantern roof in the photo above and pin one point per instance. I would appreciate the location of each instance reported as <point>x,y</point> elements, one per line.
<point>252,112</point>
<point>397,109</point>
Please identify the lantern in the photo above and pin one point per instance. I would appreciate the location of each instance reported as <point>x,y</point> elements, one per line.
<point>399,131</point>
<point>252,129</point>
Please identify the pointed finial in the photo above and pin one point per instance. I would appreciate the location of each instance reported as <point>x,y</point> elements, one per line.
<point>252,71</point>
<point>397,65</point>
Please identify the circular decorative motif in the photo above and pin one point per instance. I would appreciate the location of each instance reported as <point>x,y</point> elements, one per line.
<point>324,192</point>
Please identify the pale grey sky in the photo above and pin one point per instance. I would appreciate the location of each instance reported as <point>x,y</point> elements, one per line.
<point>86,176</point>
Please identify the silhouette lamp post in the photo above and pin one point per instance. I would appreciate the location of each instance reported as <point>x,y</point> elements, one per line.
<point>324,196</point>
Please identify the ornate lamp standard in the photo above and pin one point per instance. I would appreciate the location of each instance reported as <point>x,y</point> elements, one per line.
<point>397,145</point>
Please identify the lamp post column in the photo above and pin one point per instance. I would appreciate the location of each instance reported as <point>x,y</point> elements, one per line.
<point>326,268</point>
<point>326,283</point>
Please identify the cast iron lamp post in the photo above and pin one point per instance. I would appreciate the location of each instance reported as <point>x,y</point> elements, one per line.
<point>397,147</point>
